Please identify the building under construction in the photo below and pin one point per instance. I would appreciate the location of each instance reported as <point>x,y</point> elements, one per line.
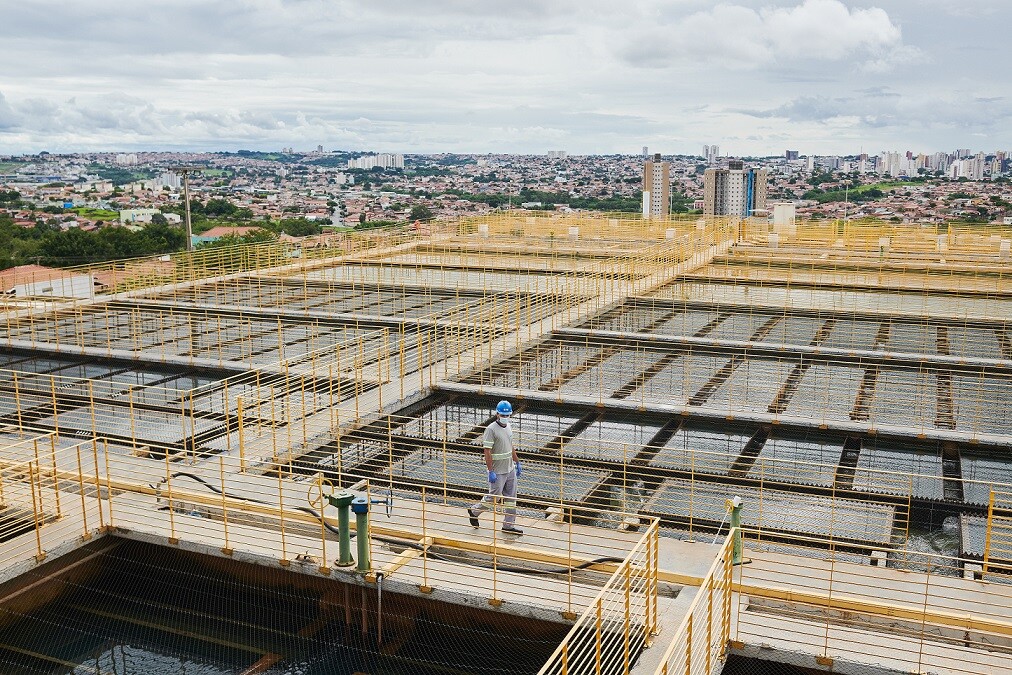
<point>739,444</point>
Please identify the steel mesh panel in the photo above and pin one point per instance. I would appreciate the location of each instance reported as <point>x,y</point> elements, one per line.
<point>752,386</point>
<point>906,398</point>
<point>467,470</point>
<point>910,470</point>
<point>739,326</point>
<point>775,509</point>
<point>703,449</point>
<point>798,460</point>
<point>982,403</point>
<point>981,475</point>
<point>680,380</point>
<point>826,392</point>
<point>611,441</point>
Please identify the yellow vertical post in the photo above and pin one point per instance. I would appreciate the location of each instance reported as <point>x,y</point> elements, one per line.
<point>173,539</point>
<point>17,400</point>
<point>36,508</point>
<point>225,405</point>
<point>987,535</point>
<point>108,478</point>
<point>242,437</point>
<point>281,511</point>
<point>226,549</point>
<point>627,627</point>
<point>597,638</point>
<point>98,486</point>
<point>80,488</point>
<point>425,588</point>
<point>324,569</point>
<point>688,645</point>
<point>709,623</point>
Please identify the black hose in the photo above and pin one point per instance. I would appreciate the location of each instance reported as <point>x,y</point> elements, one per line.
<point>403,542</point>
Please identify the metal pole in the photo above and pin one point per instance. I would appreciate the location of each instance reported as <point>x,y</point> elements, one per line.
<point>186,199</point>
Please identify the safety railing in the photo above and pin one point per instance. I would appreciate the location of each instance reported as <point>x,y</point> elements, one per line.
<point>699,644</point>
<point>578,460</point>
<point>836,609</point>
<point>723,380</point>
<point>416,539</point>
<point>998,536</point>
<point>619,622</point>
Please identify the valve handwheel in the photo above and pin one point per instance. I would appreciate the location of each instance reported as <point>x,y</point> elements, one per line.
<point>315,495</point>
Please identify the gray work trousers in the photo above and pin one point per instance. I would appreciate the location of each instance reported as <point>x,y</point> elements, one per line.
<point>505,486</point>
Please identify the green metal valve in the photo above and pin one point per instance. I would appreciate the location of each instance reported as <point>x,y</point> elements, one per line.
<point>360,505</point>
<point>343,500</point>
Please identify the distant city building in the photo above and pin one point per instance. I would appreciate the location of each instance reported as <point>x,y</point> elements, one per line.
<point>126,159</point>
<point>711,153</point>
<point>791,154</point>
<point>656,187</point>
<point>557,154</point>
<point>169,179</point>
<point>319,148</point>
<point>734,191</point>
<point>137,215</point>
<point>646,151</point>
<point>384,160</point>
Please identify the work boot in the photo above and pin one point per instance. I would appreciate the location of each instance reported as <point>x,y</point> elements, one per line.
<point>473,517</point>
<point>512,529</point>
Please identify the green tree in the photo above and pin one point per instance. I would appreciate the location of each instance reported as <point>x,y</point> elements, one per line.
<point>421,212</point>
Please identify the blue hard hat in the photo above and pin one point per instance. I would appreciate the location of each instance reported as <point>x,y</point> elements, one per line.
<point>504,408</point>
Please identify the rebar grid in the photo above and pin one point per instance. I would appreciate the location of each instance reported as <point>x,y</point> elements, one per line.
<point>729,381</point>
<point>681,480</point>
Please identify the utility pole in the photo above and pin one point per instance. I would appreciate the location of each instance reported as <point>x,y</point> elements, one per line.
<point>185,172</point>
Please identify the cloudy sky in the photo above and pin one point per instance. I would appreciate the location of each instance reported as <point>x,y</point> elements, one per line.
<point>587,76</point>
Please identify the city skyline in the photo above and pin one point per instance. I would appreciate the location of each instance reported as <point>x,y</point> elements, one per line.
<point>824,76</point>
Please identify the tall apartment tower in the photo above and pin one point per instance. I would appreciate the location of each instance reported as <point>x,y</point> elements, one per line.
<point>656,187</point>
<point>711,153</point>
<point>734,191</point>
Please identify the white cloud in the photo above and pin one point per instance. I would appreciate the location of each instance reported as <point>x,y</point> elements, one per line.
<point>737,36</point>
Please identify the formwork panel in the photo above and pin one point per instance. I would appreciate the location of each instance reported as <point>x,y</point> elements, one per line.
<point>347,455</point>
<point>449,421</point>
<point>806,460</point>
<point>440,278</point>
<point>532,430</point>
<point>147,426</point>
<point>826,392</point>
<point>627,319</point>
<point>982,403</point>
<point>912,337</point>
<point>794,330</point>
<point>26,403</point>
<point>607,377</point>
<point>852,334</point>
<point>703,449</point>
<point>681,379</point>
<point>611,441</point>
<point>973,535</point>
<point>753,385</point>
<point>968,341</point>
<point>982,474</point>
<point>769,509</point>
<point>547,366</point>
<point>466,470</point>
<point>688,322</point>
<point>740,326</point>
<point>778,297</point>
<point>895,468</point>
<point>905,398</point>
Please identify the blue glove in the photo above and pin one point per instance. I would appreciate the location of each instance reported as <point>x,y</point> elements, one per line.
<point>491,476</point>
<point>518,469</point>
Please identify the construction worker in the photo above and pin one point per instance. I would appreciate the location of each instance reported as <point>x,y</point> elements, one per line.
<point>503,470</point>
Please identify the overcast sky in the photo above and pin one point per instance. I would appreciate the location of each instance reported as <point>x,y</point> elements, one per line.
<point>527,76</point>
